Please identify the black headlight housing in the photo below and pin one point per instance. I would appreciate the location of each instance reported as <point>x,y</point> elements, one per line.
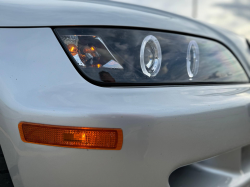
<point>116,56</point>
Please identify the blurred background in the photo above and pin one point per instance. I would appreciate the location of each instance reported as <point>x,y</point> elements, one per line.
<point>233,15</point>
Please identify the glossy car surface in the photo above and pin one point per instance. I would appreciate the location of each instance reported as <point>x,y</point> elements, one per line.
<point>164,127</point>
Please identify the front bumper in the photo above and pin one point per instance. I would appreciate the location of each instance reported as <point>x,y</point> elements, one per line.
<point>164,127</point>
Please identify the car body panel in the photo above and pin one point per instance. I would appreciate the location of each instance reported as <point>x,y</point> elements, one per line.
<point>44,13</point>
<point>164,127</point>
<point>228,169</point>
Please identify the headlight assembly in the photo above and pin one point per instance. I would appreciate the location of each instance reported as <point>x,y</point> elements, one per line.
<point>108,56</point>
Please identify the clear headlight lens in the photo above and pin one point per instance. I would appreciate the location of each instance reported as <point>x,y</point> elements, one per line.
<point>126,56</point>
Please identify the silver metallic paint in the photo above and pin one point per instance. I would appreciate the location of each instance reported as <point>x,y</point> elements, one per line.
<point>230,169</point>
<point>164,127</point>
<point>43,13</point>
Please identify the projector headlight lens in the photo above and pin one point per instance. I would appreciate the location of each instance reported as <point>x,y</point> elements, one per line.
<point>150,56</point>
<point>112,56</point>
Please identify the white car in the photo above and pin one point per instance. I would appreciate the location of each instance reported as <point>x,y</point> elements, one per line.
<point>106,94</point>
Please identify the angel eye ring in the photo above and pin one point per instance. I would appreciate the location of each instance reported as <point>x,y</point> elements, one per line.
<point>150,56</point>
<point>193,59</point>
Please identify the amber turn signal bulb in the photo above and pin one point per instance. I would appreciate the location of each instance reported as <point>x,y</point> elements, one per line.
<point>72,137</point>
<point>72,49</point>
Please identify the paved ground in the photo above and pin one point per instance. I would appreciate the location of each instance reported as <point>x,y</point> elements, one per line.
<point>5,180</point>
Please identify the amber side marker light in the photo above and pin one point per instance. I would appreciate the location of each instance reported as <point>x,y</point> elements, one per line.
<point>72,137</point>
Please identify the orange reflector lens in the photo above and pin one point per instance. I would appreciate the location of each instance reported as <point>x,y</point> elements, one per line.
<point>74,137</point>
